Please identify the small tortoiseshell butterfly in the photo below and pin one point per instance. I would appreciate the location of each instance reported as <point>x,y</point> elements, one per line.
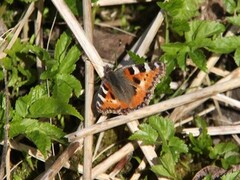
<point>128,88</point>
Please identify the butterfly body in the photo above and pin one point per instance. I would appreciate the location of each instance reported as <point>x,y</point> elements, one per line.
<point>128,88</point>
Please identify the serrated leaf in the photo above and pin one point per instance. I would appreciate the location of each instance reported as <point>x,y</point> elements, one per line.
<point>177,146</point>
<point>237,56</point>
<point>68,65</point>
<point>51,107</point>
<point>75,6</point>
<point>136,58</point>
<point>180,9</point>
<point>203,29</point>
<point>164,127</point>
<point>173,48</point>
<point>227,162</point>
<point>181,58</point>
<point>7,63</point>
<point>199,43</point>
<point>61,47</point>
<point>224,45</point>
<point>222,148</point>
<point>180,26</point>
<point>202,143</point>
<point>40,52</point>
<point>199,59</point>
<point>160,170</point>
<point>61,91</point>
<point>41,140</point>
<point>40,133</point>
<point>167,167</point>
<point>23,103</point>
<point>73,82</point>
<point>13,78</point>
<point>230,5</point>
<point>235,20</point>
<point>146,134</point>
<point>231,175</point>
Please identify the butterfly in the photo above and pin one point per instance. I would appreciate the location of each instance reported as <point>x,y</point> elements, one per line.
<point>128,88</point>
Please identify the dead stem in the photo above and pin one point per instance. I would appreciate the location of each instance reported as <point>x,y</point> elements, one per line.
<point>204,93</point>
<point>5,159</point>
<point>89,91</point>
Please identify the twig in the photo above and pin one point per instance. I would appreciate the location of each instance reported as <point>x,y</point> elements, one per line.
<point>89,86</point>
<point>157,108</point>
<point>227,100</point>
<point>5,159</point>
<point>118,2</point>
<point>58,164</point>
<point>186,108</point>
<point>114,158</point>
<point>214,131</point>
<point>39,34</point>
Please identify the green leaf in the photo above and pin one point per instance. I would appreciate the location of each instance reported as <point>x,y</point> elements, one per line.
<point>51,107</point>
<point>202,143</point>
<point>67,65</point>
<point>199,43</point>
<point>163,126</point>
<point>41,140</point>
<point>40,52</point>
<point>237,56</point>
<point>230,159</point>
<point>173,48</point>
<point>40,133</point>
<point>222,148</point>
<point>181,58</point>
<point>75,6</point>
<point>231,175</point>
<point>166,168</point>
<point>224,45</point>
<point>180,9</point>
<point>64,85</point>
<point>161,170</point>
<point>146,134</point>
<point>230,5</point>
<point>23,103</point>
<point>235,20</point>
<point>177,146</point>
<point>72,82</point>
<point>61,91</point>
<point>203,29</point>
<point>201,123</point>
<point>199,59</point>
<point>136,58</point>
<point>180,26</point>
<point>61,47</point>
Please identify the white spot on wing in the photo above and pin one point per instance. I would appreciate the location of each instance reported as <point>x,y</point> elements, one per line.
<point>142,84</point>
<point>136,70</point>
<point>114,102</point>
<point>156,64</point>
<point>146,66</point>
<point>101,97</point>
<point>104,90</point>
<point>98,104</point>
